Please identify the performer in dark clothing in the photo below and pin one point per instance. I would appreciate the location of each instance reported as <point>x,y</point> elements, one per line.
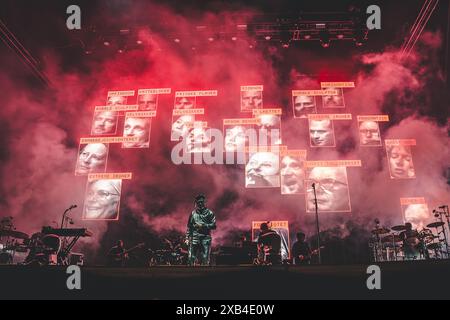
<point>269,245</point>
<point>301,252</point>
<point>411,242</point>
<point>117,255</point>
<point>198,234</point>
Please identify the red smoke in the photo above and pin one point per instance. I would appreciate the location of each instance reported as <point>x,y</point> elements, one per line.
<point>43,129</point>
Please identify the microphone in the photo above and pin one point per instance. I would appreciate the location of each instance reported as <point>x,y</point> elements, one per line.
<point>314,185</point>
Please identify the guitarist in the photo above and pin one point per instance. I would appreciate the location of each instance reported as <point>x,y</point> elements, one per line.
<point>301,251</point>
<point>117,255</point>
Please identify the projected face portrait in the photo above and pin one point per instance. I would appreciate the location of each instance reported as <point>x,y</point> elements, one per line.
<point>91,158</point>
<point>181,126</point>
<point>137,127</point>
<point>331,189</point>
<point>336,101</point>
<point>116,101</point>
<point>147,102</point>
<point>235,138</point>
<point>417,215</point>
<point>198,140</point>
<point>400,162</point>
<point>262,170</point>
<point>369,133</point>
<point>251,100</point>
<point>270,122</point>
<point>105,122</point>
<point>321,133</point>
<point>184,102</point>
<point>102,200</point>
<point>292,175</point>
<point>303,105</point>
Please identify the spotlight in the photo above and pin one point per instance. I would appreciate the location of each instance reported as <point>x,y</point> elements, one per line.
<point>360,37</point>
<point>234,38</point>
<point>267,38</point>
<point>325,39</point>
<point>177,40</point>
<point>106,43</point>
<point>285,45</point>
<point>340,36</point>
<point>210,39</point>
<point>139,42</point>
<point>307,36</point>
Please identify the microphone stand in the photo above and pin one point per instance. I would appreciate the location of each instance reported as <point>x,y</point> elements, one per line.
<point>317,224</point>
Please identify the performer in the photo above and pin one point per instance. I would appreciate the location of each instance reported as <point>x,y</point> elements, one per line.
<point>301,251</point>
<point>411,243</point>
<point>117,255</point>
<point>269,244</point>
<point>198,234</point>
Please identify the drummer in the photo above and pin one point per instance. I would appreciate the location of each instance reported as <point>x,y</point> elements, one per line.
<point>410,240</point>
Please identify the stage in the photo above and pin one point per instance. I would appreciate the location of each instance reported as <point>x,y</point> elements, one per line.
<point>399,280</point>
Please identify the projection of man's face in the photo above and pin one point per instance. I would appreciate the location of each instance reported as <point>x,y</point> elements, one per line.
<point>334,101</point>
<point>304,105</point>
<point>137,127</point>
<point>321,133</point>
<point>235,139</point>
<point>251,99</point>
<point>292,175</point>
<point>400,162</point>
<point>102,199</point>
<point>331,189</point>
<point>262,170</point>
<point>417,215</point>
<point>92,158</point>
<point>369,133</point>
<point>184,102</point>
<point>198,140</point>
<point>181,126</point>
<point>147,101</point>
<point>104,123</point>
<point>116,100</point>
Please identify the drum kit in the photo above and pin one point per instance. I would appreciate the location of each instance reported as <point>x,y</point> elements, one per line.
<point>41,249</point>
<point>13,243</point>
<point>399,243</point>
<point>173,254</point>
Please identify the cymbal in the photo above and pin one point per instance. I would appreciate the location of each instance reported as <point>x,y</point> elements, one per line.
<point>14,234</point>
<point>435,224</point>
<point>399,228</point>
<point>391,238</point>
<point>380,231</point>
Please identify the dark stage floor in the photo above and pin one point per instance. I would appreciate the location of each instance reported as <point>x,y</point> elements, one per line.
<point>420,279</point>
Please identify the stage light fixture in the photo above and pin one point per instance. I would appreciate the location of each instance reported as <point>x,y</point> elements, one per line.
<point>177,40</point>
<point>325,39</point>
<point>285,45</point>
<point>106,43</point>
<point>360,37</point>
<point>234,38</point>
<point>267,38</point>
